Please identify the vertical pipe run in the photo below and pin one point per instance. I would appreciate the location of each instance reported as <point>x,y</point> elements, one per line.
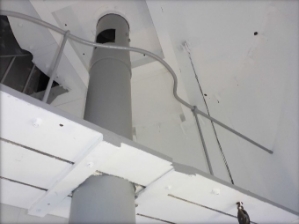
<point>108,199</point>
<point>203,142</point>
<point>103,199</point>
<point>8,69</point>
<point>108,102</point>
<point>55,66</point>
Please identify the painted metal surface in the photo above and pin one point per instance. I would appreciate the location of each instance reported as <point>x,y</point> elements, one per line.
<point>61,137</point>
<point>108,101</point>
<point>103,199</point>
<point>137,164</point>
<point>247,171</point>
<point>55,66</point>
<point>156,57</point>
<point>188,197</point>
<point>108,199</point>
<point>28,166</point>
<point>113,155</point>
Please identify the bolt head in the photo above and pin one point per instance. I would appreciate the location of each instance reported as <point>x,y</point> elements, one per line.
<point>216,191</point>
<point>37,122</point>
<point>89,164</point>
<point>169,187</point>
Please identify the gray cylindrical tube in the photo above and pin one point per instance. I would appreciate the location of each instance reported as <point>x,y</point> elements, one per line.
<point>108,101</point>
<point>103,199</point>
<point>108,199</point>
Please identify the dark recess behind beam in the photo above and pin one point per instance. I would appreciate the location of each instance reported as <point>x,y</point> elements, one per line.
<point>20,70</point>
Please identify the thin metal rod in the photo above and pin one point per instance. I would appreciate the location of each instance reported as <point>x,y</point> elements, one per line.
<point>138,50</point>
<point>29,77</point>
<point>8,69</point>
<point>233,131</point>
<point>55,66</point>
<point>203,142</point>
<point>208,111</point>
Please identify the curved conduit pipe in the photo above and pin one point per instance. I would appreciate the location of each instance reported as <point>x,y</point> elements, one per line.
<point>138,50</point>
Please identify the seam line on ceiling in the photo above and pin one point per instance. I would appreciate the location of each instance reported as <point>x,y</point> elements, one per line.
<point>150,217</point>
<point>203,206</point>
<point>36,151</point>
<point>19,182</point>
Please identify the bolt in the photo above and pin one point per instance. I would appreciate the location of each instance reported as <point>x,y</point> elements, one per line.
<point>89,164</point>
<point>37,122</point>
<point>216,191</point>
<point>169,187</point>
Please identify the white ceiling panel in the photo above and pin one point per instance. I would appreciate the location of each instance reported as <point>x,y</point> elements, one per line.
<point>18,195</point>
<point>36,128</point>
<point>20,164</point>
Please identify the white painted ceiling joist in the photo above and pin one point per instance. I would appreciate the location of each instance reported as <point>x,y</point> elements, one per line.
<point>171,192</point>
<point>33,127</point>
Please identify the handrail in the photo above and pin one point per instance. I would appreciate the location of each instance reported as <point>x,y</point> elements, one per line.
<point>138,50</point>
<point>55,66</point>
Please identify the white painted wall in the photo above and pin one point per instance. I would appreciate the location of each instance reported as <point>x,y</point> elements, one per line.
<point>255,80</point>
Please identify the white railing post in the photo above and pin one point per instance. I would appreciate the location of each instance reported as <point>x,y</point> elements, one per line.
<point>55,66</point>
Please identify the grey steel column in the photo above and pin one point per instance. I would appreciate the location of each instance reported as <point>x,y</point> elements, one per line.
<point>108,199</point>
<point>108,101</point>
<point>103,199</point>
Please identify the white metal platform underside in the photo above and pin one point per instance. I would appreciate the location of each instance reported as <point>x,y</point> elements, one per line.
<point>48,154</point>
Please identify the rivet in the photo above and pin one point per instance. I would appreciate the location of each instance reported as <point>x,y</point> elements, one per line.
<point>89,164</point>
<point>169,187</point>
<point>216,191</point>
<point>37,122</point>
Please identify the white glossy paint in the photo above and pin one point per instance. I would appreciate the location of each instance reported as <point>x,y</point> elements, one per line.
<point>11,214</point>
<point>18,195</point>
<point>251,84</point>
<point>147,87</point>
<point>17,119</point>
<point>124,159</point>
<point>89,149</point>
<point>158,200</point>
<point>29,167</point>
